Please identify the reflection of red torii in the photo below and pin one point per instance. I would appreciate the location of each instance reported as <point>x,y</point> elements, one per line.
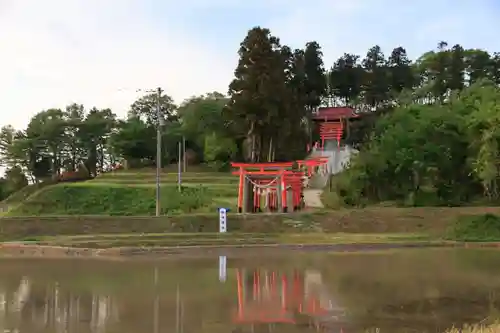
<point>274,180</point>
<point>281,302</point>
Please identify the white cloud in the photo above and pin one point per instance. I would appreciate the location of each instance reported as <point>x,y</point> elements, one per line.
<point>95,52</point>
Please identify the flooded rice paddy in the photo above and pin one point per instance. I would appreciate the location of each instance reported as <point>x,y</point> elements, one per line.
<point>417,290</point>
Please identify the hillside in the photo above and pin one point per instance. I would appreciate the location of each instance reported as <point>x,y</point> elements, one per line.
<point>128,193</point>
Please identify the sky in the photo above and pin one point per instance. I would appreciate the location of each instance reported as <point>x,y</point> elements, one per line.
<point>100,52</point>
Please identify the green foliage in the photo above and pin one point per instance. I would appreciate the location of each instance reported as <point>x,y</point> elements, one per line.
<point>145,108</point>
<point>14,180</point>
<point>475,228</point>
<point>111,200</point>
<point>433,154</point>
<point>219,150</point>
<point>269,93</point>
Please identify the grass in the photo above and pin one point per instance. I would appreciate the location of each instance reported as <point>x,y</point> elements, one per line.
<point>433,222</point>
<point>126,193</point>
<point>475,228</point>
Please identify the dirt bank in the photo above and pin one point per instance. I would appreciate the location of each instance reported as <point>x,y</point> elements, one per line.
<point>432,221</point>
<point>19,250</point>
<point>57,252</point>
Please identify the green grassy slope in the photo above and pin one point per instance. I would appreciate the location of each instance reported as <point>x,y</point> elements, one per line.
<point>130,193</point>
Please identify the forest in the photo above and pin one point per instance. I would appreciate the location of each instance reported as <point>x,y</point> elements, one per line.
<point>429,132</point>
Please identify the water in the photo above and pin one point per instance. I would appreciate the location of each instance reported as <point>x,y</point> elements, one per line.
<point>398,291</point>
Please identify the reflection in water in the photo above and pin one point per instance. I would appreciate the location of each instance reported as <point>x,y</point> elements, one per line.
<point>33,310</point>
<point>269,297</point>
<point>408,291</point>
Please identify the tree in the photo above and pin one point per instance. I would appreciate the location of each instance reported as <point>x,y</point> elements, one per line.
<point>375,84</point>
<point>481,101</point>
<point>202,115</point>
<point>478,65</point>
<point>93,133</point>
<point>15,179</point>
<point>439,153</point>
<point>456,68</point>
<point>345,79</point>
<point>74,115</point>
<point>145,108</point>
<point>257,91</point>
<point>309,80</point>
<point>46,131</point>
<point>219,150</point>
<point>400,72</point>
<point>315,79</point>
<point>134,141</point>
<point>495,68</point>
<point>7,136</point>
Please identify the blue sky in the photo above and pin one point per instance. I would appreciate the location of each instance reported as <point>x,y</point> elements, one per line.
<point>99,52</point>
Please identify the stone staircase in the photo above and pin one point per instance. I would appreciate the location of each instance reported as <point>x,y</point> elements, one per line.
<point>337,158</point>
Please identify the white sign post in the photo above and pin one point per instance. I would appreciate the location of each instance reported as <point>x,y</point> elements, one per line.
<point>222,229</point>
<point>223,220</point>
<point>222,268</point>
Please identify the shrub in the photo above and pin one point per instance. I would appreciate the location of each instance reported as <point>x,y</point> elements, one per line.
<point>475,228</point>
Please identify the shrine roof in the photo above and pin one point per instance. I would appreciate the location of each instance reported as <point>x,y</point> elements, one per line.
<point>334,113</point>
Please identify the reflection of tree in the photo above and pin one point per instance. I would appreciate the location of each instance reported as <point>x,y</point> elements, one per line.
<point>36,307</point>
<point>425,290</point>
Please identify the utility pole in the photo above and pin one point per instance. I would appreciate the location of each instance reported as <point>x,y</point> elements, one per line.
<point>158,151</point>
<point>179,169</point>
<point>184,153</point>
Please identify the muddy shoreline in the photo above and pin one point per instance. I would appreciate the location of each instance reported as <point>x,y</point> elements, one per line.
<point>20,250</point>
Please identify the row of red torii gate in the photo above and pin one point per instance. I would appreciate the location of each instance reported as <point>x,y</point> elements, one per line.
<point>279,187</point>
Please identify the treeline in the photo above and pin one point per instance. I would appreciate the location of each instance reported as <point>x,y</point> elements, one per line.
<point>264,117</point>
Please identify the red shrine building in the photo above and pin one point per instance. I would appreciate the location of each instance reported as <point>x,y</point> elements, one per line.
<point>332,122</point>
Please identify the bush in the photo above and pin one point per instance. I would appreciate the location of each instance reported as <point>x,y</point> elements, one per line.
<point>475,228</point>
<point>343,190</point>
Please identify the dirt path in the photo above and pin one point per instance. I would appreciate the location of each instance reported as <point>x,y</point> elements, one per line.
<point>312,198</point>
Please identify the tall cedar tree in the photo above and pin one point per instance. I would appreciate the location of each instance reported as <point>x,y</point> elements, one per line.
<point>257,91</point>
<point>456,68</point>
<point>345,79</point>
<point>315,81</point>
<point>375,84</point>
<point>400,72</point>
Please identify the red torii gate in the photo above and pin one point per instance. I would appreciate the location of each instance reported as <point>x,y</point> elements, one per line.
<point>275,181</point>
